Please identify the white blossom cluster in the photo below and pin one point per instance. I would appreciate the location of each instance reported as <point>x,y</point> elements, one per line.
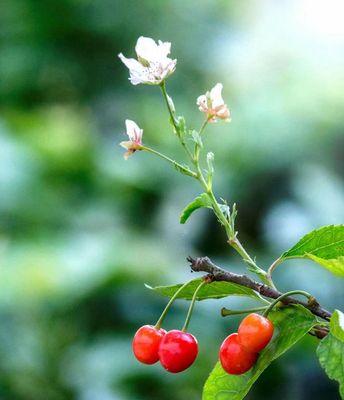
<point>152,67</point>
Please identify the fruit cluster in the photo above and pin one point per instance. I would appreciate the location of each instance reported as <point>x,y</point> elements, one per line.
<point>177,350</point>
<point>239,351</point>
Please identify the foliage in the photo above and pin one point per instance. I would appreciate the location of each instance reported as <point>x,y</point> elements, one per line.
<point>220,385</point>
<point>81,230</point>
<point>214,290</point>
<point>331,351</point>
<point>200,201</point>
<point>324,246</point>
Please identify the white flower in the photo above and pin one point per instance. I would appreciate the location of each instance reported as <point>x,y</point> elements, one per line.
<point>152,65</point>
<point>135,138</point>
<point>213,105</point>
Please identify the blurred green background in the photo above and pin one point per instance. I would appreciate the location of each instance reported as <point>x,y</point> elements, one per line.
<point>82,230</point>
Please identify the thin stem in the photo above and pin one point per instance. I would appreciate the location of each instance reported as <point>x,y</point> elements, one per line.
<point>173,118</point>
<point>232,239</point>
<point>169,304</point>
<point>325,324</point>
<point>170,111</point>
<point>225,311</point>
<point>188,317</point>
<point>283,296</point>
<point>272,267</point>
<point>236,244</point>
<point>222,218</point>
<point>203,126</point>
<point>231,235</point>
<point>174,163</point>
<point>195,158</point>
<point>197,147</point>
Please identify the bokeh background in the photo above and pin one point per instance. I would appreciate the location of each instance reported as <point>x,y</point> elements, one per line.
<point>82,230</point>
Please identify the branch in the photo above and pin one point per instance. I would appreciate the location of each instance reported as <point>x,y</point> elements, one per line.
<point>204,264</point>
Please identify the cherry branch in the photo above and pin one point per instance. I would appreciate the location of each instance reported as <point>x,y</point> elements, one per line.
<point>204,264</point>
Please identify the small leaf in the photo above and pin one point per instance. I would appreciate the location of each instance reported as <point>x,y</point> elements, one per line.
<point>234,214</point>
<point>331,351</point>
<point>181,125</point>
<point>324,246</point>
<point>210,162</point>
<point>184,169</point>
<point>196,137</point>
<point>200,201</point>
<point>170,103</point>
<point>291,324</point>
<point>226,211</point>
<point>253,267</point>
<point>214,290</point>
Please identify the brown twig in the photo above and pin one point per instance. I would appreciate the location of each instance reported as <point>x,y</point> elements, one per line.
<point>204,264</point>
<point>319,331</point>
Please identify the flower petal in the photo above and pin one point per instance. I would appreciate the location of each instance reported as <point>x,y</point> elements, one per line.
<point>147,49</point>
<point>138,73</point>
<point>133,130</point>
<point>140,77</point>
<point>131,63</point>
<point>164,48</point>
<point>224,113</point>
<point>216,96</point>
<point>202,99</point>
<point>126,144</point>
<point>202,103</point>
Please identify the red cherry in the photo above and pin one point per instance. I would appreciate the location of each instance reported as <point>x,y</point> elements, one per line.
<point>146,344</point>
<point>235,359</point>
<point>178,350</point>
<point>255,332</point>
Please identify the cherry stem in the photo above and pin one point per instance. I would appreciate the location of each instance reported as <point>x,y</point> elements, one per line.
<point>188,317</point>
<point>169,304</point>
<point>284,295</point>
<point>226,312</point>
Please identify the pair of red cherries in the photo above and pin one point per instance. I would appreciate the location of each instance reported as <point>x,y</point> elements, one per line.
<point>177,350</point>
<point>239,351</point>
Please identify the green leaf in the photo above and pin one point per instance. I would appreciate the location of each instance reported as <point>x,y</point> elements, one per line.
<point>291,324</point>
<point>331,351</point>
<point>336,266</point>
<point>331,357</point>
<point>324,246</point>
<point>337,325</point>
<point>200,201</point>
<point>214,290</point>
